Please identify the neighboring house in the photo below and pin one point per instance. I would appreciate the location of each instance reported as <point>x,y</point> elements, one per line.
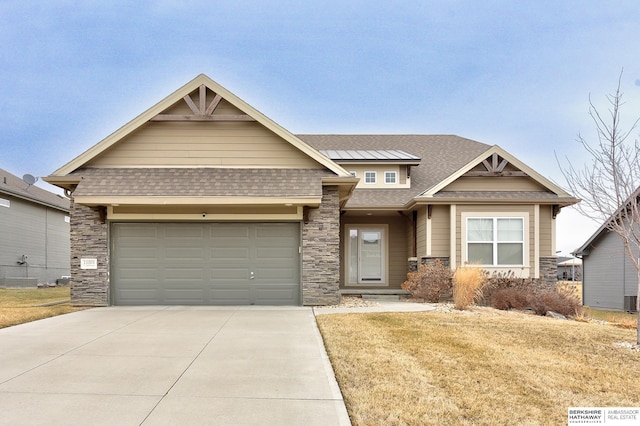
<point>569,269</point>
<point>609,278</point>
<point>34,234</point>
<point>204,200</point>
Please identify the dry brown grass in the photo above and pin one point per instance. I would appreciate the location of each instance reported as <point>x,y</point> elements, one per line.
<point>483,367</point>
<point>467,286</point>
<point>618,318</point>
<point>18,306</point>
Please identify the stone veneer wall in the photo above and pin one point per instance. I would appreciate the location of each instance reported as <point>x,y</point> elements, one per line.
<point>321,252</point>
<point>89,287</point>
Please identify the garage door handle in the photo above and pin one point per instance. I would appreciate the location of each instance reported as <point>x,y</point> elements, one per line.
<point>252,276</point>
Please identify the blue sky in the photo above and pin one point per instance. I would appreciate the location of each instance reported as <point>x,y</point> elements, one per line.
<point>513,73</point>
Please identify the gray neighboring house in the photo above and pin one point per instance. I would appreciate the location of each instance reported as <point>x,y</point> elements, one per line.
<point>34,234</point>
<point>609,279</point>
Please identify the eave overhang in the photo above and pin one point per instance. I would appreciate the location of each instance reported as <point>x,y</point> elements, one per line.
<point>88,200</point>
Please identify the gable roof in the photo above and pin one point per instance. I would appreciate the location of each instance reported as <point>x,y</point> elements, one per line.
<point>178,96</point>
<point>15,186</point>
<point>441,155</point>
<point>584,248</point>
<point>495,149</point>
<point>444,158</point>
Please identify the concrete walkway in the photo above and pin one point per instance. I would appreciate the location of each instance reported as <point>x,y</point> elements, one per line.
<point>169,366</point>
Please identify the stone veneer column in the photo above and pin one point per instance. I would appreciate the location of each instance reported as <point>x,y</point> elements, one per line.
<point>548,271</point>
<point>89,287</point>
<point>321,252</point>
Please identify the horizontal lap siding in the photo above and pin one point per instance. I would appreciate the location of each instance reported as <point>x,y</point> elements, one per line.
<point>215,144</point>
<point>38,232</point>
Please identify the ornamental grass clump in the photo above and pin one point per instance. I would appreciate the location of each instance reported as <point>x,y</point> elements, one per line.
<point>468,283</point>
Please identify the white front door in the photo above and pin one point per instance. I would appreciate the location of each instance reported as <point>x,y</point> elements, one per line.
<point>367,258</point>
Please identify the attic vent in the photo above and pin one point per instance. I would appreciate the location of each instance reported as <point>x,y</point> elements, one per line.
<point>5,203</point>
<point>630,303</point>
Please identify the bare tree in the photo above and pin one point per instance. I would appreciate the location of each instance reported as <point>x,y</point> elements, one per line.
<point>609,185</point>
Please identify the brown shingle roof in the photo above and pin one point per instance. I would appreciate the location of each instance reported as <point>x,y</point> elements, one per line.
<point>13,185</point>
<point>204,182</point>
<point>441,156</point>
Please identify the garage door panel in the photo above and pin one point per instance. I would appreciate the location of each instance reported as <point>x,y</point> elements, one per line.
<point>206,263</point>
<point>186,232</point>
<point>184,296</point>
<point>184,254</point>
<point>230,253</point>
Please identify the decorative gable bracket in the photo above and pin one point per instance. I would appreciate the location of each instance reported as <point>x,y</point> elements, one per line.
<point>202,111</point>
<point>494,166</point>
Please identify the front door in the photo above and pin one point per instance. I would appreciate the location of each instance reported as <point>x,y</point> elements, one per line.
<point>367,256</point>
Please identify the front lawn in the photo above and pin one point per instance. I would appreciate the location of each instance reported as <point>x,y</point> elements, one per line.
<point>29,304</point>
<point>483,367</point>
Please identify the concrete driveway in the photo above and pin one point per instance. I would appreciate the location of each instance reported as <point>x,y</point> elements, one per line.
<point>169,366</point>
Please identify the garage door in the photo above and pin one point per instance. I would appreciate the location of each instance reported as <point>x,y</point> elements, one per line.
<point>205,263</point>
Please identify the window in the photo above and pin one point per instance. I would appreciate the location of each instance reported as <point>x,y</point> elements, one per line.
<point>370,177</point>
<point>390,177</point>
<point>5,203</point>
<point>495,241</point>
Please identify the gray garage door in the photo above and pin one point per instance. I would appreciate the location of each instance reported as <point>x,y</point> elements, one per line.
<point>205,263</point>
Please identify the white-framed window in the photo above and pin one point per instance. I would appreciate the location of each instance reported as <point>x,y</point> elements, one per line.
<point>495,241</point>
<point>391,177</point>
<point>370,177</point>
<point>5,203</point>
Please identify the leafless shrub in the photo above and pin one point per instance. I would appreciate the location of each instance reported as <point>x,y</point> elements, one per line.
<point>429,282</point>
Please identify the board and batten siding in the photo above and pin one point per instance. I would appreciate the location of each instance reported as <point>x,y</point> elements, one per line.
<point>397,253</point>
<point>203,144</point>
<point>38,232</point>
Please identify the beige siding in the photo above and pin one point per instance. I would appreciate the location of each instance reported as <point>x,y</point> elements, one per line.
<point>440,231</point>
<point>494,184</point>
<point>204,144</point>
<point>396,251</point>
<point>421,230</point>
<point>546,233</point>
